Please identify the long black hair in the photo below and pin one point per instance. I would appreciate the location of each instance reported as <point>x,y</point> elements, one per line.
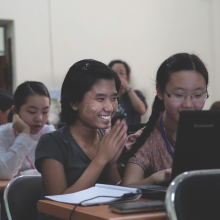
<point>175,63</point>
<point>78,81</point>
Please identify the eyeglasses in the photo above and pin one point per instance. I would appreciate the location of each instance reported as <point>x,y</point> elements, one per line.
<point>176,97</point>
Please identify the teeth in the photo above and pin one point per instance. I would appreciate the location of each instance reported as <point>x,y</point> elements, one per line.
<point>105,117</point>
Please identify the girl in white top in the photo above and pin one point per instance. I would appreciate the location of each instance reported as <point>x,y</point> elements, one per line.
<point>18,140</point>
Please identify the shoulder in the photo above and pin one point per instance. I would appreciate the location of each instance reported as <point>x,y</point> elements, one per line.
<point>53,145</point>
<point>6,130</point>
<point>139,93</point>
<point>141,96</point>
<point>133,137</point>
<point>47,128</point>
<point>53,136</point>
<point>6,127</point>
<point>154,138</point>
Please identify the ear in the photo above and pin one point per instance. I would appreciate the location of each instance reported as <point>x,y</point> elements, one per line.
<point>14,110</point>
<point>74,106</point>
<point>159,93</point>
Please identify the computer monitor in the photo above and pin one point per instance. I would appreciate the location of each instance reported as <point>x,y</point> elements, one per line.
<point>198,142</point>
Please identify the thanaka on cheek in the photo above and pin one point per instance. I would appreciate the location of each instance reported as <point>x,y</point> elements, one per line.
<point>91,109</point>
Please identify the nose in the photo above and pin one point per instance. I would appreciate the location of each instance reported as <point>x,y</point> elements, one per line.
<point>108,107</point>
<point>188,103</point>
<point>39,117</point>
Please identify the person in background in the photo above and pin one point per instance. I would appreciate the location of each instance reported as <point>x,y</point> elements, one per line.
<point>215,106</point>
<point>18,140</point>
<point>82,153</point>
<point>6,101</point>
<point>132,103</point>
<point>181,84</point>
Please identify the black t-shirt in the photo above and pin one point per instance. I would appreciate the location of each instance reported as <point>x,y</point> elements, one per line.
<point>61,146</point>
<point>125,109</point>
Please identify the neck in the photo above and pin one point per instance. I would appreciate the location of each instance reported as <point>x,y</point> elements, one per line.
<point>83,133</point>
<point>171,124</point>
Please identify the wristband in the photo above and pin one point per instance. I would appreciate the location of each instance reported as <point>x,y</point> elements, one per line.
<point>128,89</point>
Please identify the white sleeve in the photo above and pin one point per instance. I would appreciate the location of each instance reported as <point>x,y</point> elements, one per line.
<point>11,159</point>
<point>47,129</point>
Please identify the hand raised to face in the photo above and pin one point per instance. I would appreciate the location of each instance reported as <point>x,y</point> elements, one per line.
<point>19,125</point>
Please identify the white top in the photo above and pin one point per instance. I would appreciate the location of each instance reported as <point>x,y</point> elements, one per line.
<point>13,150</point>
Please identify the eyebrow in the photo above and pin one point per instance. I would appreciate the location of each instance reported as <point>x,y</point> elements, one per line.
<point>101,94</point>
<point>180,88</point>
<point>31,106</point>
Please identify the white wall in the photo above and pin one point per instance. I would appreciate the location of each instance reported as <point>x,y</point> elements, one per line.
<point>51,35</point>
<point>29,27</point>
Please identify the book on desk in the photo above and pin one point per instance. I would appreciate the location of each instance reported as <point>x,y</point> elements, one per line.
<point>98,195</point>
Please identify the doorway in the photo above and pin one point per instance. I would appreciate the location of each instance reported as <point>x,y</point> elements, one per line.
<point>5,60</point>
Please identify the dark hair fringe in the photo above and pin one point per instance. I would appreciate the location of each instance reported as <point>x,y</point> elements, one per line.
<point>26,89</point>
<point>128,69</point>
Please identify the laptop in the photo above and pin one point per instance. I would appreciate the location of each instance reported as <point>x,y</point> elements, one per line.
<point>197,146</point>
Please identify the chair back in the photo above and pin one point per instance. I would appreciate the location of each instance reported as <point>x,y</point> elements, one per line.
<point>194,195</point>
<point>21,196</point>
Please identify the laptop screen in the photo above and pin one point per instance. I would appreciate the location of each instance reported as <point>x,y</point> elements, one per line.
<point>198,142</point>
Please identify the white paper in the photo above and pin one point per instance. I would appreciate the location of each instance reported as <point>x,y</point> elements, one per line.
<point>98,190</point>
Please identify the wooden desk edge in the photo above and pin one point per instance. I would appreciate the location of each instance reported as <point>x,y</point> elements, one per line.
<point>63,210</point>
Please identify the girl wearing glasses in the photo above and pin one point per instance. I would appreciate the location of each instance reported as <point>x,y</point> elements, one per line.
<point>181,84</point>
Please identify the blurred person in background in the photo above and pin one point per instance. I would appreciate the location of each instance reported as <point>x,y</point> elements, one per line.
<point>215,106</point>
<point>6,101</point>
<point>132,103</point>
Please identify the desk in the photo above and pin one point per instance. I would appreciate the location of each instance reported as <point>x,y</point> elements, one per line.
<point>63,210</point>
<point>3,184</point>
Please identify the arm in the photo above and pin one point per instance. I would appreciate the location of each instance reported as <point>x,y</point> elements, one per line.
<point>134,175</point>
<point>136,102</point>
<point>53,172</point>
<point>12,157</point>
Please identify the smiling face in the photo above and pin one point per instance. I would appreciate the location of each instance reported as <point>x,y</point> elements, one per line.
<point>182,82</point>
<point>98,105</point>
<point>35,112</point>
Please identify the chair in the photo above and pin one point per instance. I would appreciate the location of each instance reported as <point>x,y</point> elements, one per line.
<point>194,195</point>
<point>21,196</point>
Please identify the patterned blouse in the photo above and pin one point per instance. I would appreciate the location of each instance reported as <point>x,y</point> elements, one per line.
<point>153,156</point>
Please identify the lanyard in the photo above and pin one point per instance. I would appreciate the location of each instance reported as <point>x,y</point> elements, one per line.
<point>164,137</point>
<point>32,166</point>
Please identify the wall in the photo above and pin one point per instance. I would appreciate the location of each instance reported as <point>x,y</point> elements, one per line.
<point>49,36</point>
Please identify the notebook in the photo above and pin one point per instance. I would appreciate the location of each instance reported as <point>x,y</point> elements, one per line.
<point>197,146</point>
<point>98,195</point>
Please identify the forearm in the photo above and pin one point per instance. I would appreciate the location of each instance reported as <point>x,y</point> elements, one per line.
<point>12,159</point>
<point>113,174</point>
<point>146,181</point>
<point>136,102</point>
<point>88,178</point>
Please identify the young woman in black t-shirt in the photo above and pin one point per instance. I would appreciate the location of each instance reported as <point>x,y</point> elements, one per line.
<point>89,99</point>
